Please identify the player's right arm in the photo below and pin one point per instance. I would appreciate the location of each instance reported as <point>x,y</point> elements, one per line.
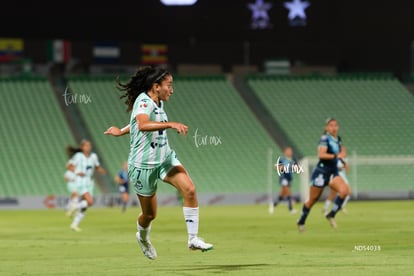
<point>72,163</point>
<point>145,124</point>
<point>116,131</point>
<point>119,180</point>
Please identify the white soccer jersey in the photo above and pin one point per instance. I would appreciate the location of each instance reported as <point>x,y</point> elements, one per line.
<point>85,165</point>
<point>148,149</point>
<point>70,176</point>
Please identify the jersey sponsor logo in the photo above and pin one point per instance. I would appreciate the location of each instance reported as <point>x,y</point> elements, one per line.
<point>143,105</point>
<point>319,181</point>
<point>159,112</point>
<point>159,145</point>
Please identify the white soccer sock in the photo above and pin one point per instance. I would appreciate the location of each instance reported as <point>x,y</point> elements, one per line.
<point>346,201</point>
<point>191,216</point>
<point>82,204</point>
<point>144,232</point>
<point>78,218</point>
<point>327,203</point>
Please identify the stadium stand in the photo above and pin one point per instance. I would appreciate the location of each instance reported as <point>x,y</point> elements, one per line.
<point>374,113</point>
<point>34,135</point>
<point>225,150</point>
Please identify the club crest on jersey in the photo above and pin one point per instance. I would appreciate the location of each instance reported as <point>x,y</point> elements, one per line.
<point>139,185</point>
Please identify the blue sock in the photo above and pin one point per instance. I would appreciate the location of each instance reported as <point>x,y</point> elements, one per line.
<point>279,199</point>
<point>304,215</point>
<point>289,200</point>
<point>336,206</point>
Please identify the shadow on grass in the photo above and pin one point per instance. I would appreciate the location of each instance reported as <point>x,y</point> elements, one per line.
<point>220,268</point>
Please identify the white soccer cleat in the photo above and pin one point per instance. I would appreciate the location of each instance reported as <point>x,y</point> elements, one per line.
<point>293,211</point>
<point>271,208</point>
<point>197,243</point>
<point>332,222</point>
<point>71,210</point>
<point>75,228</point>
<point>301,228</point>
<point>147,248</point>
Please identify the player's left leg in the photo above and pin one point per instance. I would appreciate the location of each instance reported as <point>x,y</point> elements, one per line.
<point>125,200</point>
<point>283,191</point>
<point>87,201</point>
<point>342,174</point>
<point>178,177</point>
<point>329,200</point>
<point>342,189</point>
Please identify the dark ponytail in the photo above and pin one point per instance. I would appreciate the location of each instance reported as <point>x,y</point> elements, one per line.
<point>70,150</point>
<point>141,82</point>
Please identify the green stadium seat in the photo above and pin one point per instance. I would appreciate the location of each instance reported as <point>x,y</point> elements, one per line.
<point>34,135</point>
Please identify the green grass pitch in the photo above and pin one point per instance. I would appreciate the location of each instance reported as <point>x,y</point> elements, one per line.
<point>374,238</point>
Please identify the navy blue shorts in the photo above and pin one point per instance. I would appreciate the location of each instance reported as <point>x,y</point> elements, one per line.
<point>123,188</point>
<point>322,176</point>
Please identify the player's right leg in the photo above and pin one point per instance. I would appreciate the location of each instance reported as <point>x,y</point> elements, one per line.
<point>319,180</point>
<point>149,210</point>
<point>342,189</point>
<point>145,186</point>
<point>87,200</point>
<point>314,194</point>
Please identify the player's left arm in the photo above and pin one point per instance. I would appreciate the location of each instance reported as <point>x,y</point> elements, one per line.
<point>100,170</point>
<point>98,166</point>
<point>342,156</point>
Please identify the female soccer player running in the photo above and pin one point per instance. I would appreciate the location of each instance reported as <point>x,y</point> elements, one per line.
<point>151,157</point>
<point>326,173</point>
<point>83,164</point>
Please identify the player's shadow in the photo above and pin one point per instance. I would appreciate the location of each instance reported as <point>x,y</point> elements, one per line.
<point>223,268</point>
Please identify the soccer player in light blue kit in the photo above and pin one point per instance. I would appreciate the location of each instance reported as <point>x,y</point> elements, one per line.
<point>285,167</point>
<point>151,157</point>
<point>326,173</point>
<point>122,179</point>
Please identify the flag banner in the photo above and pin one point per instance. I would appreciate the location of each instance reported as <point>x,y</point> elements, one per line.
<point>106,52</point>
<point>59,50</point>
<point>154,54</point>
<point>11,49</point>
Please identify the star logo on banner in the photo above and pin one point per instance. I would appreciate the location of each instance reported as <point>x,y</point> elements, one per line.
<point>297,15</point>
<point>260,16</point>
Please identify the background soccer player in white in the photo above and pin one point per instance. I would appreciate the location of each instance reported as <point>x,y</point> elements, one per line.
<point>151,157</point>
<point>83,164</point>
